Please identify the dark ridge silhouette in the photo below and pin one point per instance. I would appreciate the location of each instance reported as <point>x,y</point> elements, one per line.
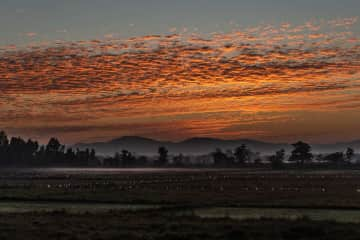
<point>191,146</point>
<point>202,145</point>
<point>17,152</point>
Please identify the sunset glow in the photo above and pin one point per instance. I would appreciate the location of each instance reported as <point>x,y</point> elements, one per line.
<point>269,82</point>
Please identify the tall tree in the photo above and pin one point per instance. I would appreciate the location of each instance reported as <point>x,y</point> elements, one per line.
<point>335,158</point>
<point>349,154</point>
<point>30,151</point>
<point>220,158</point>
<point>70,157</point>
<point>17,151</point>
<point>277,160</point>
<point>242,154</point>
<point>4,144</point>
<point>178,160</point>
<point>163,156</point>
<point>127,159</point>
<point>301,153</point>
<point>53,145</point>
<point>55,152</point>
<point>4,141</point>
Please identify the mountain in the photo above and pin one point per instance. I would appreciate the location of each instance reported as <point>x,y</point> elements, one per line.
<point>193,146</point>
<point>198,146</point>
<point>206,145</point>
<point>135,144</point>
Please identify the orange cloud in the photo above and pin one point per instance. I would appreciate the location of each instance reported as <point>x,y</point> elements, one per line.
<point>178,85</point>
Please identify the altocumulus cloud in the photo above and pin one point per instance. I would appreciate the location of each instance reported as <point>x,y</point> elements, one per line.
<point>171,86</point>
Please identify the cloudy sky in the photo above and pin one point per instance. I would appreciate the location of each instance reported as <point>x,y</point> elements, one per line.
<point>94,70</point>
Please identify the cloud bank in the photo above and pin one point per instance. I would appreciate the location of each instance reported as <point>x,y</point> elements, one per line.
<point>238,84</point>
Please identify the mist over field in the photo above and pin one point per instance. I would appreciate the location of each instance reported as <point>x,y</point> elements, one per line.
<point>199,146</point>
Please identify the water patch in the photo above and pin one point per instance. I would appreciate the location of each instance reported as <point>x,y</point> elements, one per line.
<point>23,207</point>
<point>346,216</point>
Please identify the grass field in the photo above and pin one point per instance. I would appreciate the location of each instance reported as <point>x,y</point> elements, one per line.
<point>179,204</point>
<point>328,189</point>
<point>164,226</point>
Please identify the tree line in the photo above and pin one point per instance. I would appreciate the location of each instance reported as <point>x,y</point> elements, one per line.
<point>17,152</point>
<point>300,155</point>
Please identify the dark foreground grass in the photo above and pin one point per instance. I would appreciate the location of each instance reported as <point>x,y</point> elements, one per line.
<point>321,189</point>
<point>164,225</point>
<point>178,189</point>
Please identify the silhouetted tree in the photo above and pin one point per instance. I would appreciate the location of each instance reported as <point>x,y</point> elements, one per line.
<point>31,149</point>
<point>17,152</point>
<point>230,156</point>
<point>82,157</point>
<point>116,160</point>
<point>92,154</point>
<point>40,158</point>
<point>163,156</point>
<point>301,153</point>
<point>335,158</point>
<point>70,157</point>
<point>54,152</point>
<point>220,158</point>
<point>109,162</point>
<point>127,159</point>
<point>349,154</point>
<point>142,161</point>
<point>242,154</point>
<point>4,141</point>
<point>4,145</point>
<point>277,160</point>
<point>53,145</point>
<point>112,161</point>
<point>93,161</point>
<point>179,160</point>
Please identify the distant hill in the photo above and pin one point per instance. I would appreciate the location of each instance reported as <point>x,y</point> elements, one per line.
<point>198,146</point>
<point>193,146</point>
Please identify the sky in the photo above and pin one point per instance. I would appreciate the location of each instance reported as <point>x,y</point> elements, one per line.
<point>94,70</point>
